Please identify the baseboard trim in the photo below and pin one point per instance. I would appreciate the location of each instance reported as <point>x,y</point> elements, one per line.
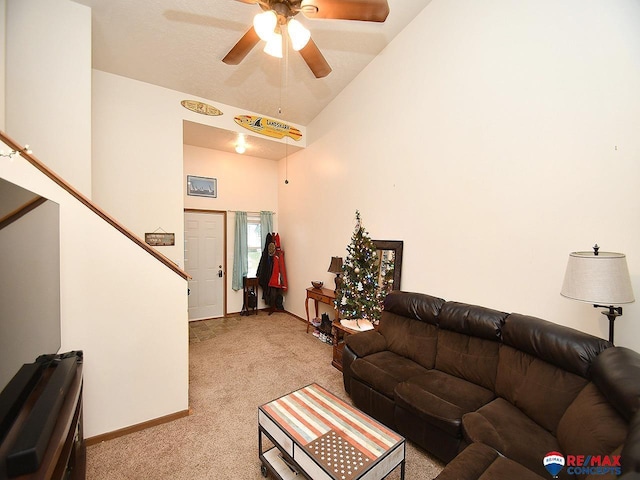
<point>136,428</point>
<point>160,420</point>
<point>295,316</point>
<point>265,310</point>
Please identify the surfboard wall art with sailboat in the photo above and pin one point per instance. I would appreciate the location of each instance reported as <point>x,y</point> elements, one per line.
<point>268,126</point>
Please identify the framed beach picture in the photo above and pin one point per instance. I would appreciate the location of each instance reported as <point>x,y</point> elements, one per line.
<point>202,186</point>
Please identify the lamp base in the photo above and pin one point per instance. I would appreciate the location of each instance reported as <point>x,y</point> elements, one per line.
<point>612,313</point>
<point>338,282</point>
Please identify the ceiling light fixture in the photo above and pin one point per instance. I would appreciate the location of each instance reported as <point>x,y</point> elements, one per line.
<point>274,46</point>
<point>298,34</point>
<point>265,23</point>
<point>241,144</point>
<point>266,26</point>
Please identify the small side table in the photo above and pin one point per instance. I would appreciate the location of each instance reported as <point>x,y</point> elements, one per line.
<point>249,285</point>
<point>319,295</point>
<point>340,332</point>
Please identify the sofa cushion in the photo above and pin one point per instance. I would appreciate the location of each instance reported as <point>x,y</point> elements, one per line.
<point>561,346</point>
<point>480,462</point>
<point>480,322</point>
<point>366,343</point>
<point>542,391</point>
<point>417,306</point>
<point>591,426</point>
<point>471,358</point>
<point>410,338</point>
<point>441,399</point>
<point>468,342</point>
<point>384,370</point>
<point>505,428</point>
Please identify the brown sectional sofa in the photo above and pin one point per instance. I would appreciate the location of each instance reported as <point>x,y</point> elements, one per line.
<point>492,393</point>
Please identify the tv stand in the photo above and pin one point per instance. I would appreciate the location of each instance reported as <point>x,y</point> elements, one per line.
<point>46,439</point>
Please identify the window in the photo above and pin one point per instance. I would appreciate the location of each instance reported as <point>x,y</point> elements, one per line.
<point>254,244</point>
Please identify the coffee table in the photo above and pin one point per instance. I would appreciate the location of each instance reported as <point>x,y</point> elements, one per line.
<point>318,436</point>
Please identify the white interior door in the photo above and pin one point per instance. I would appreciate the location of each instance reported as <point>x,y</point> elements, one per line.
<point>204,261</point>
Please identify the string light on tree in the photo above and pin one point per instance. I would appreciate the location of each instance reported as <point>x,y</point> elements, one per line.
<point>11,153</point>
<point>359,296</point>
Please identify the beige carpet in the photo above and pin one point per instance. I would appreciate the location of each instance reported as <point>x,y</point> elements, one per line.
<point>239,364</point>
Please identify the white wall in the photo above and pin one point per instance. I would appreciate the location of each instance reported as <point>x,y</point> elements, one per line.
<point>126,310</point>
<point>245,183</point>
<point>3,43</point>
<point>137,157</point>
<point>493,138</point>
<point>123,307</point>
<point>48,84</point>
<point>138,154</point>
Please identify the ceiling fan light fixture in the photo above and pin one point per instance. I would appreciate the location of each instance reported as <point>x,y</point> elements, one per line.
<point>265,23</point>
<point>274,46</point>
<point>298,33</point>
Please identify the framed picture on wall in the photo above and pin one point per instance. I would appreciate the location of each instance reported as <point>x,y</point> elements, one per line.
<point>202,186</point>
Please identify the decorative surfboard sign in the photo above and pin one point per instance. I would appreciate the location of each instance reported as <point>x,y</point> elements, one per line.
<point>268,126</point>
<point>201,108</point>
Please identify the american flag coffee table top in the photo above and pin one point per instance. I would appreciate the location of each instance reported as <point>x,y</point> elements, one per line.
<point>340,437</point>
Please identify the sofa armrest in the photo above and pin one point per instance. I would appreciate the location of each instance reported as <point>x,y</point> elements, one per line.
<point>615,372</point>
<point>357,346</point>
<point>366,343</point>
<point>631,449</point>
<point>347,359</point>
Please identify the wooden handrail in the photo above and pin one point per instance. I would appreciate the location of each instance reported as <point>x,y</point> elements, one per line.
<point>90,205</point>
<point>21,211</point>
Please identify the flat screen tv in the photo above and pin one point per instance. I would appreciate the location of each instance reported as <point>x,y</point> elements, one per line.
<point>29,278</point>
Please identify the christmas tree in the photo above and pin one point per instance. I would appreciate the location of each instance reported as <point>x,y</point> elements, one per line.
<point>359,295</point>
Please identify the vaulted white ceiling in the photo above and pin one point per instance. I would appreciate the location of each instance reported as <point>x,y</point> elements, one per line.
<point>179,44</point>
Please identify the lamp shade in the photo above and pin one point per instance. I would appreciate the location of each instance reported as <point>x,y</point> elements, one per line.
<point>265,23</point>
<point>274,46</point>
<point>601,279</point>
<point>336,265</point>
<point>298,34</point>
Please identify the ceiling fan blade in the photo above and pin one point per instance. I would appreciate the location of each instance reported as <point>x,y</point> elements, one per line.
<point>363,10</point>
<point>315,60</point>
<point>242,48</point>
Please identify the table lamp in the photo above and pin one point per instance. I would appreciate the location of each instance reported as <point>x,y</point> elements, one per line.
<point>336,267</point>
<point>599,278</point>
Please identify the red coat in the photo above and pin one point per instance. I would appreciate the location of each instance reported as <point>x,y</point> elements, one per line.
<point>279,272</point>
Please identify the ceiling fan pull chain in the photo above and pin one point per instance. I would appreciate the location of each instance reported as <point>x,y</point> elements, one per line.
<point>285,74</point>
<point>280,101</point>
<point>284,64</point>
